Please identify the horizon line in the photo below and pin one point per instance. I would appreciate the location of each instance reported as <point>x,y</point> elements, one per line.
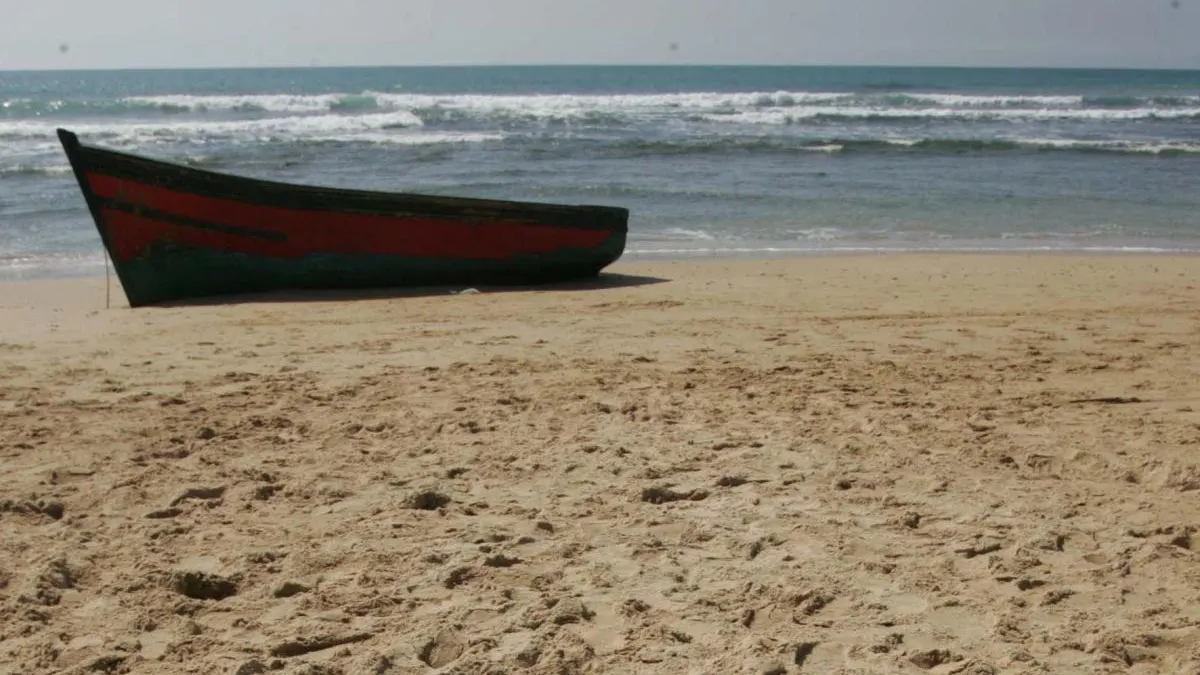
<point>599,65</point>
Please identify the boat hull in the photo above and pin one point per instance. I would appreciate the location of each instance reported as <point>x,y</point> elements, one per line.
<point>177,233</point>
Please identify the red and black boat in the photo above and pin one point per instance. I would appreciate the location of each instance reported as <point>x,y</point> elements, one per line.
<point>175,233</point>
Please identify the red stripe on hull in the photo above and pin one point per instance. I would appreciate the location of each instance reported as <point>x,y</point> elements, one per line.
<point>130,234</point>
<point>309,232</point>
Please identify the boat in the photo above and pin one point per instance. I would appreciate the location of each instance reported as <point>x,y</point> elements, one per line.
<point>179,233</point>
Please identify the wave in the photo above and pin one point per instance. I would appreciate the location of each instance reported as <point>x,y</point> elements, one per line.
<point>823,115</point>
<point>42,265</point>
<point>395,128</point>
<point>205,142</point>
<point>929,146</point>
<point>140,106</point>
<point>618,108</point>
<point>962,145</point>
<point>756,251</point>
<point>24,170</point>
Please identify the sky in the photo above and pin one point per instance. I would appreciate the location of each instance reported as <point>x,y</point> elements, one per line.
<point>67,34</point>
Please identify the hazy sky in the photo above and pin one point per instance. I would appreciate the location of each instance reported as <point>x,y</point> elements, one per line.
<point>175,33</point>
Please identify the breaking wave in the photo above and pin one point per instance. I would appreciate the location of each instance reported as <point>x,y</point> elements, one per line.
<point>399,127</point>
<point>754,107</point>
<point>20,170</point>
<point>931,146</point>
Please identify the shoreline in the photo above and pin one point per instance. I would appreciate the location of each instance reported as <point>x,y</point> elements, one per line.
<point>749,256</point>
<point>647,263</point>
<point>736,255</point>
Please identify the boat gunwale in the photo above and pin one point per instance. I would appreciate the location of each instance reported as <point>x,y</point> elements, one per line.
<point>204,182</point>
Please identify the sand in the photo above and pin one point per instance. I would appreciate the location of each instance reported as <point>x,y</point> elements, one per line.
<point>876,464</point>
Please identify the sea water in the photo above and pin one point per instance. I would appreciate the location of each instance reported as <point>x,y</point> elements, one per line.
<point>711,161</point>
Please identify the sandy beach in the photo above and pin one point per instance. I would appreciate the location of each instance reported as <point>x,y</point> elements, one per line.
<point>879,464</point>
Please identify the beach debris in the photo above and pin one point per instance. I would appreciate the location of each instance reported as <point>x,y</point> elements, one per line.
<point>162,514</point>
<point>307,645</point>
<point>466,291</point>
<point>1108,400</point>
<point>665,495</point>
<point>57,475</point>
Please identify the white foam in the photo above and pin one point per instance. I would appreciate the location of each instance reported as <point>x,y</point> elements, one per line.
<point>421,138</point>
<point>689,234</point>
<point>818,250</point>
<point>344,115</point>
<point>33,169</point>
<point>1149,147</point>
<point>786,116</point>
<point>397,127</point>
<point>820,234</point>
<point>557,105</point>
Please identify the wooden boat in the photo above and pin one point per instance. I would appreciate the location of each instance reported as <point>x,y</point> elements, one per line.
<point>175,233</point>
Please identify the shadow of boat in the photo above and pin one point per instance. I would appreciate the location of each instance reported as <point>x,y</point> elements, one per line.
<point>604,281</point>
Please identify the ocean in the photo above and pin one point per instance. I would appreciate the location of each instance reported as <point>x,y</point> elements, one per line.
<point>711,161</point>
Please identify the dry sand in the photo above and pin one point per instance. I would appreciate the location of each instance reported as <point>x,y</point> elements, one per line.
<point>905,464</point>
